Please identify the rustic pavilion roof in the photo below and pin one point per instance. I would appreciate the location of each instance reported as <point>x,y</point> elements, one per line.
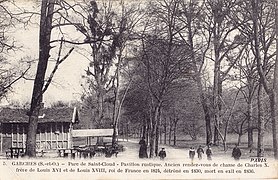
<point>58,114</point>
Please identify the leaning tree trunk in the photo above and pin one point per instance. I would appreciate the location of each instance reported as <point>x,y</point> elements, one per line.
<point>47,8</point>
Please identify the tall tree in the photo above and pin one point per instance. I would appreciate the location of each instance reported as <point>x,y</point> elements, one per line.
<point>47,8</point>
<point>191,16</point>
<point>270,90</point>
<point>164,61</point>
<point>224,49</point>
<point>40,84</point>
<point>274,104</point>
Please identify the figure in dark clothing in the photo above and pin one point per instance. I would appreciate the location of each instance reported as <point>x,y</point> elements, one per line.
<point>236,153</point>
<point>143,149</point>
<point>162,153</point>
<point>191,153</point>
<point>200,152</point>
<point>209,153</point>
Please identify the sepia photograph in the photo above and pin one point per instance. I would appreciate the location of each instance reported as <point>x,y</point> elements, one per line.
<point>138,89</point>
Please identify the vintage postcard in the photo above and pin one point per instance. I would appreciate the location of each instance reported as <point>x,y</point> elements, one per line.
<point>129,89</point>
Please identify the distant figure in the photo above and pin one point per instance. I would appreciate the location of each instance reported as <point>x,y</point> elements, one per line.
<point>191,153</point>
<point>162,153</point>
<point>143,149</point>
<point>209,153</point>
<point>236,153</point>
<point>200,152</point>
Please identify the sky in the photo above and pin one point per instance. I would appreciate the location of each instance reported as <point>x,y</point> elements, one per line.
<point>67,80</point>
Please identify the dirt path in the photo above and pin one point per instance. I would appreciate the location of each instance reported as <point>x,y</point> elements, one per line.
<point>173,154</point>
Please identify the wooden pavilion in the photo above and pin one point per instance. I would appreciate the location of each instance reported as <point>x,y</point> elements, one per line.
<point>54,128</point>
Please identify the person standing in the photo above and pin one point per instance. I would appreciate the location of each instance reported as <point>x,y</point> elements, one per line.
<point>162,153</point>
<point>143,149</point>
<point>236,154</point>
<point>209,153</point>
<point>200,152</point>
<point>191,153</point>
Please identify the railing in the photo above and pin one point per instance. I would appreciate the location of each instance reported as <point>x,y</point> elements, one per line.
<point>89,151</point>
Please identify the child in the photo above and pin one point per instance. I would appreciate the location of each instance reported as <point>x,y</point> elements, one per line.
<point>209,153</point>
<point>162,153</point>
<point>200,152</point>
<point>191,153</point>
<point>236,153</point>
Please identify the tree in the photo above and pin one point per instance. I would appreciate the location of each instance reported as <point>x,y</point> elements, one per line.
<point>270,91</point>
<point>107,30</point>
<point>190,15</point>
<point>249,84</point>
<point>164,60</point>
<point>224,46</point>
<point>9,72</point>
<point>46,26</point>
<point>274,104</point>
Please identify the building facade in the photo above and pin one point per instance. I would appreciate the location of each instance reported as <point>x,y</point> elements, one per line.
<point>54,128</point>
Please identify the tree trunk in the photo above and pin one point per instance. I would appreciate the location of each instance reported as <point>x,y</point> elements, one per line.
<point>216,77</point>
<point>153,129</point>
<point>165,131</point>
<point>127,131</point>
<point>118,103</point>
<point>170,134</point>
<point>47,8</point>
<point>148,130</point>
<point>157,132</point>
<point>175,131</point>
<point>156,141</point>
<point>249,122</point>
<point>100,104</point>
<point>116,111</point>
<point>216,83</point>
<point>272,93</point>
<point>260,151</point>
<point>274,117</point>
<point>199,84</point>
<point>239,138</point>
<point>274,109</point>
<point>31,133</point>
<point>160,135</point>
<point>144,128</point>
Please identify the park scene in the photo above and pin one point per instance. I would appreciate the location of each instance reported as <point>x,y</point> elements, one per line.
<point>142,80</point>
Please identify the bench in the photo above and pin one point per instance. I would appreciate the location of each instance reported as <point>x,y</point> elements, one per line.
<point>15,152</point>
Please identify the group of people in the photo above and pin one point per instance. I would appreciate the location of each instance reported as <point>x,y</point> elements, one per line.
<point>143,150</point>
<point>236,153</point>
<point>200,152</point>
